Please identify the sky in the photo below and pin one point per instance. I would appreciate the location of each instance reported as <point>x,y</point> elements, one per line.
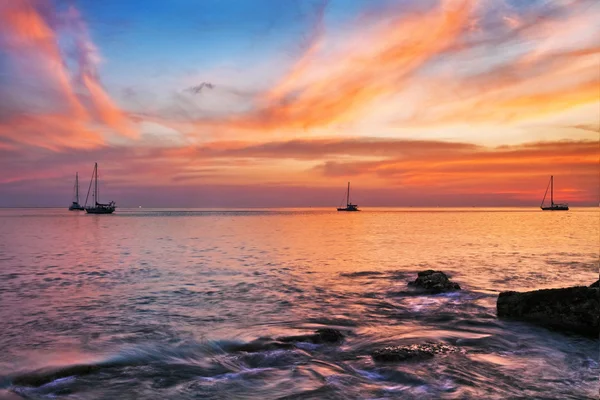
<point>280,103</point>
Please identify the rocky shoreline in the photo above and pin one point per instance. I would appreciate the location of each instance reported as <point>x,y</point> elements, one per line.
<point>569,310</point>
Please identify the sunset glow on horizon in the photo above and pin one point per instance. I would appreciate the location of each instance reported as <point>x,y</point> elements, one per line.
<point>280,103</point>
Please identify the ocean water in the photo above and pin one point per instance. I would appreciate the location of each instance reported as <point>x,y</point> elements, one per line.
<point>153,304</point>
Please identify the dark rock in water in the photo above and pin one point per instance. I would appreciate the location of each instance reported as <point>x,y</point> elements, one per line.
<point>412,352</point>
<point>596,284</point>
<point>434,282</point>
<point>360,274</point>
<point>262,344</point>
<point>324,335</point>
<point>44,376</point>
<point>574,309</point>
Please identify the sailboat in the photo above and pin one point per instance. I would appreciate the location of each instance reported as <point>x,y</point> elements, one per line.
<point>97,208</point>
<point>75,206</point>
<point>349,206</point>
<point>553,206</point>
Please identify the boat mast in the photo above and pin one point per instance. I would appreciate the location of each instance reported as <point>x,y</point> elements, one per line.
<point>552,189</point>
<point>87,196</point>
<point>77,187</point>
<point>348,195</point>
<point>545,193</point>
<point>96,183</point>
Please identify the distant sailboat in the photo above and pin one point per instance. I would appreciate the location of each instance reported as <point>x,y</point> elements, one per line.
<point>553,206</point>
<point>349,206</point>
<point>97,208</point>
<point>75,206</point>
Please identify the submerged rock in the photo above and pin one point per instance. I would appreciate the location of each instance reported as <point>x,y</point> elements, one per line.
<point>434,282</point>
<point>412,352</point>
<point>573,309</point>
<point>321,336</point>
<point>324,335</point>
<point>259,345</point>
<point>46,375</point>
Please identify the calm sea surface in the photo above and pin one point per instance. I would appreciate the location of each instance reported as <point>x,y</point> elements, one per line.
<point>151,303</point>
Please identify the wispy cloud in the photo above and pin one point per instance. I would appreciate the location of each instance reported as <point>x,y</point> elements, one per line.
<point>332,83</point>
<point>436,68</point>
<point>417,167</point>
<point>198,88</point>
<point>44,43</point>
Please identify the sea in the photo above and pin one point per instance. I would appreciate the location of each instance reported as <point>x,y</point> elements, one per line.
<point>157,303</point>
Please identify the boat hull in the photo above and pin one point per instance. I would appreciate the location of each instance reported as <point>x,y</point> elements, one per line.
<point>348,209</point>
<point>76,207</point>
<point>555,208</point>
<point>100,210</point>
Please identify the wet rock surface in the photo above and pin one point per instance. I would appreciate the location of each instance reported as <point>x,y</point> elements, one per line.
<point>261,344</point>
<point>324,335</point>
<point>321,336</point>
<point>434,282</point>
<point>574,309</point>
<point>412,352</point>
<point>44,376</point>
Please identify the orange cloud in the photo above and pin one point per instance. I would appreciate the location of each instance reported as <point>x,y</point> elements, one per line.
<point>417,169</point>
<point>315,45</point>
<point>343,81</point>
<point>480,170</point>
<point>352,80</point>
<point>327,87</point>
<point>27,33</point>
<point>550,84</point>
<point>30,38</point>
<point>110,114</point>
<point>49,131</point>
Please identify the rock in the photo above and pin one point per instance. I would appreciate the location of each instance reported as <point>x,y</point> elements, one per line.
<point>596,284</point>
<point>47,375</point>
<point>329,335</point>
<point>412,352</point>
<point>324,335</point>
<point>573,309</point>
<point>361,274</point>
<point>260,345</point>
<point>434,282</point>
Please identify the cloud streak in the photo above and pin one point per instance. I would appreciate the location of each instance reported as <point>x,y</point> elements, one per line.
<point>418,167</point>
<point>32,35</point>
<point>439,67</point>
<point>330,86</point>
